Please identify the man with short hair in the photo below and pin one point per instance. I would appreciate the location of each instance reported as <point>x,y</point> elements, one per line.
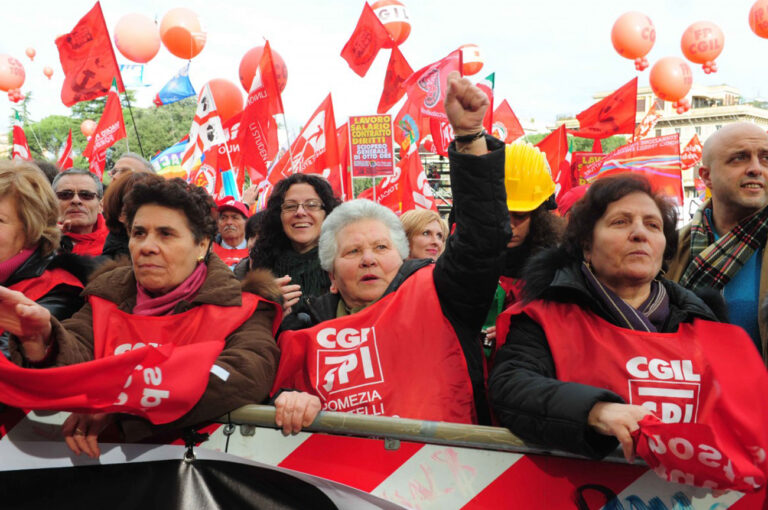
<point>79,193</point>
<point>130,162</point>
<point>724,246</point>
<point>230,244</point>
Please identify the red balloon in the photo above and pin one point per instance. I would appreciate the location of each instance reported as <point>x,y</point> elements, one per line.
<point>182,33</point>
<point>394,16</point>
<point>758,18</point>
<point>137,38</point>
<point>702,43</point>
<point>12,73</point>
<point>87,127</point>
<point>252,58</point>
<point>48,71</point>
<point>671,78</point>
<point>31,53</point>
<point>471,59</point>
<point>228,98</point>
<point>633,35</point>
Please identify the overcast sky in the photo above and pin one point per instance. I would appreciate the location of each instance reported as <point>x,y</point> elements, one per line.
<point>550,56</point>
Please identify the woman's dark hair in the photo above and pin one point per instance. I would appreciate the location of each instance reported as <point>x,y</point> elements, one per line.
<point>114,197</point>
<point>253,224</point>
<point>591,207</point>
<point>194,202</point>
<point>272,239</point>
<point>546,229</point>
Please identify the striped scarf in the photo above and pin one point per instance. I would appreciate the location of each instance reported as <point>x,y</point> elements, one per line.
<point>714,263</point>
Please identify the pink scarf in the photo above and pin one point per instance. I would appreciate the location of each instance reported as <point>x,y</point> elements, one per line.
<point>164,305</point>
<point>8,267</point>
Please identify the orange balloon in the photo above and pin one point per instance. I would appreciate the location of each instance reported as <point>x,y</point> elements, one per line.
<point>137,38</point>
<point>394,16</point>
<point>671,78</point>
<point>252,58</point>
<point>87,127</point>
<point>12,73</point>
<point>182,33</point>
<point>702,42</point>
<point>633,35</point>
<point>227,97</point>
<point>48,71</point>
<point>758,18</point>
<point>471,59</point>
<point>31,53</point>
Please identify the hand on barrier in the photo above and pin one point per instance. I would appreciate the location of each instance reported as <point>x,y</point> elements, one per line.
<point>618,420</point>
<point>81,432</point>
<point>295,409</point>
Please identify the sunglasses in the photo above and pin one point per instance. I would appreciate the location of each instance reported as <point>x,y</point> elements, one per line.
<point>68,194</point>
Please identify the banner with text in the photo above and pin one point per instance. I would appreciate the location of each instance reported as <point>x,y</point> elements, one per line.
<point>370,145</point>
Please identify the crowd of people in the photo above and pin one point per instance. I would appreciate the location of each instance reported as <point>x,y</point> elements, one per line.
<point>517,311</point>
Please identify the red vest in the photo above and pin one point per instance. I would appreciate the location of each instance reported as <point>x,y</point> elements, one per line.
<point>691,379</point>
<point>154,367</point>
<point>398,357</point>
<point>230,256</point>
<point>512,287</point>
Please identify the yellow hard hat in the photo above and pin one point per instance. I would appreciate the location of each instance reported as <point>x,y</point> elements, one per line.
<point>527,177</point>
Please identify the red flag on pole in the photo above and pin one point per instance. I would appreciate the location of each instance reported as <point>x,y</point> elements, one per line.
<point>648,122</point>
<point>487,85</point>
<point>506,127</point>
<point>110,129</point>
<point>555,147</point>
<point>415,192</point>
<point>366,41</point>
<point>342,141</point>
<point>66,161</point>
<point>258,136</point>
<point>691,153</point>
<point>398,71</point>
<point>613,115</point>
<point>88,59</point>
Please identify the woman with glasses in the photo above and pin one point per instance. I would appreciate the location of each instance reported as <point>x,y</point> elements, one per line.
<point>287,243</point>
<point>29,237</point>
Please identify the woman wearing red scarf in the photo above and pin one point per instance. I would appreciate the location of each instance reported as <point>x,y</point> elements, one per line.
<point>214,339</point>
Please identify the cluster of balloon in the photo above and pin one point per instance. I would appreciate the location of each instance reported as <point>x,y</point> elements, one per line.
<point>48,71</point>
<point>15,95</point>
<point>394,16</point>
<point>12,73</point>
<point>87,127</point>
<point>182,33</point>
<point>702,43</point>
<point>758,18</point>
<point>471,59</point>
<point>227,97</point>
<point>633,35</point>
<point>671,80</point>
<point>137,38</point>
<point>252,58</point>
<point>31,53</point>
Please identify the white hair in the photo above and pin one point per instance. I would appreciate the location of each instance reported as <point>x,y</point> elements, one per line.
<point>351,212</point>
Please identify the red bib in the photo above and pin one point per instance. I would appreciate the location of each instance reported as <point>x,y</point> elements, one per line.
<point>154,367</point>
<point>230,256</point>
<point>398,357</point>
<point>512,287</point>
<point>715,430</point>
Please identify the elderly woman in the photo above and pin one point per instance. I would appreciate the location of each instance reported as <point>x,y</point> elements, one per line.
<point>174,292</point>
<point>395,336</point>
<point>589,306</point>
<point>29,237</point>
<point>426,232</point>
<point>290,229</point>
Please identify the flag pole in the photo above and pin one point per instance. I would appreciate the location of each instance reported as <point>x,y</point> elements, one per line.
<point>135,129</point>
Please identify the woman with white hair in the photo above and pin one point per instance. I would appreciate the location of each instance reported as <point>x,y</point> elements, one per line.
<point>395,336</point>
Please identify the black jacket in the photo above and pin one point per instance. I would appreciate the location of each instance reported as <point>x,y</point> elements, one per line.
<point>525,394</point>
<point>62,301</point>
<point>467,273</point>
<point>116,245</point>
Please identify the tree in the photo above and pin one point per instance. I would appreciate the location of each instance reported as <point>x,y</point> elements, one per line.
<point>577,144</point>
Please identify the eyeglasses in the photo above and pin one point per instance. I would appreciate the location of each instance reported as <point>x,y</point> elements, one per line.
<point>68,194</point>
<point>309,206</point>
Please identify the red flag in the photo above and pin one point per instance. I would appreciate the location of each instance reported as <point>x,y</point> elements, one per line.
<point>506,127</point>
<point>65,161</point>
<point>442,134</point>
<point>366,41</point>
<point>314,151</point>
<point>398,71</point>
<point>205,132</point>
<point>110,129</point>
<point>221,158</point>
<point>20,147</point>
<point>555,146</point>
<point>342,141</point>
<point>426,93</point>
<point>258,138</point>
<point>387,192</point>
<point>415,192</point>
<point>645,126</point>
<point>487,85</point>
<point>613,115</point>
<point>691,153</point>
<point>88,59</point>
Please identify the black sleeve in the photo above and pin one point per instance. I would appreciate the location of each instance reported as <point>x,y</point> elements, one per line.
<point>529,400</point>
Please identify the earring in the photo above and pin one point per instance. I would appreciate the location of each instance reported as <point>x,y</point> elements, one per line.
<point>200,258</point>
